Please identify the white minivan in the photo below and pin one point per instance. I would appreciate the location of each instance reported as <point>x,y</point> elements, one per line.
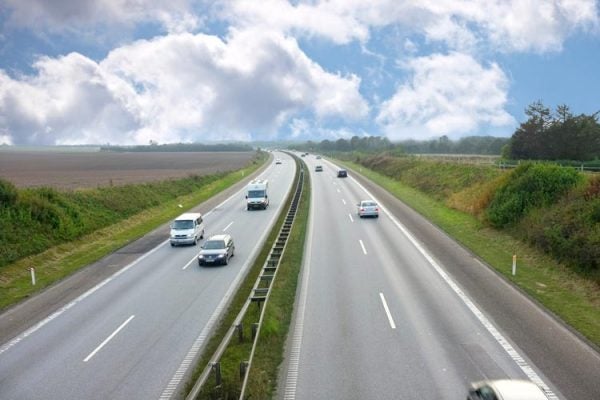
<point>187,229</point>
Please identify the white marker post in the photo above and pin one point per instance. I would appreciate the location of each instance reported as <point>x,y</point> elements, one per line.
<point>32,276</point>
<point>514,266</point>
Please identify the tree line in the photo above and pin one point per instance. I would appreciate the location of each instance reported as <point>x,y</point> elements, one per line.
<point>558,135</point>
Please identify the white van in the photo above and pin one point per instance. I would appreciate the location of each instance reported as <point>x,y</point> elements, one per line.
<point>256,197</point>
<point>187,229</point>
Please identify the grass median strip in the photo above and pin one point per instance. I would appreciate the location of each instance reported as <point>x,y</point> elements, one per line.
<point>60,261</point>
<point>572,298</point>
<point>276,322</point>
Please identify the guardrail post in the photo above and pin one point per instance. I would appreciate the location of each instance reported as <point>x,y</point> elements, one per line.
<point>32,276</point>
<point>240,329</point>
<point>216,367</point>
<point>243,369</point>
<point>254,329</point>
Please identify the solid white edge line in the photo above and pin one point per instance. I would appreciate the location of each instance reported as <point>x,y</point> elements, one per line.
<point>510,350</point>
<point>363,247</point>
<point>387,311</point>
<point>57,313</point>
<point>176,380</point>
<point>291,381</point>
<point>61,310</point>
<point>228,226</point>
<point>108,339</point>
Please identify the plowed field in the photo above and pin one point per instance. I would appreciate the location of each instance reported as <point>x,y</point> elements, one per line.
<point>71,170</point>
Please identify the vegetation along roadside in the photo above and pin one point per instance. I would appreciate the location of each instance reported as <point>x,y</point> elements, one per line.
<point>548,216</point>
<point>59,232</point>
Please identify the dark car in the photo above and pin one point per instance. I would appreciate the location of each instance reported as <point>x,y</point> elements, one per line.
<point>342,173</point>
<point>218,249</point>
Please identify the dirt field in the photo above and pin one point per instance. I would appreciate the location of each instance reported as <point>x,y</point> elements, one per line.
<point>71,170</point>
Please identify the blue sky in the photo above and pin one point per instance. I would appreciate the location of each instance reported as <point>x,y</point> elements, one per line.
<point>127,72</point>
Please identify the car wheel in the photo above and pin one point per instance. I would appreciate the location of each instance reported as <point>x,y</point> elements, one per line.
<point>172,244</point>
<point>199,263</point>
<point>226,261</point>
<point>202,235</point>
<point>195,241</point>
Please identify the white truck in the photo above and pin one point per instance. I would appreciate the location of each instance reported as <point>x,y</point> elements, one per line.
<point>256,197</point>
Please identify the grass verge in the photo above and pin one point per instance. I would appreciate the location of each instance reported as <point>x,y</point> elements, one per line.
<point>572,298</point>
<point>270,348</point>
<point>60,261</point>
<point>237,351</point>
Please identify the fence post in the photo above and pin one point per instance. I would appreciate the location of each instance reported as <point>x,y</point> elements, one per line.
<point>32,276</point>
<point>514,265</point>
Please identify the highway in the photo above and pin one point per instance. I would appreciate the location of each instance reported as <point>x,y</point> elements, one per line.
<point>385,313</point>
<point>135,334</point>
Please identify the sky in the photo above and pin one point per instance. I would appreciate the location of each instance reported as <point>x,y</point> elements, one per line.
<point>134,71</point>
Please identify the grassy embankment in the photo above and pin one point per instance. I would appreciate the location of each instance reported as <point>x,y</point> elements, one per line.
<point>60,232</point>
<point>270,349</point>
<point>477,206</point>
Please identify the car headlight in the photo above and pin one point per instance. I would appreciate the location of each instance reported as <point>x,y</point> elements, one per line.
<point>221,255</point>
<point>201,256</point>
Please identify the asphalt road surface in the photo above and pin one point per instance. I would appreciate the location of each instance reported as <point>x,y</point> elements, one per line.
<point>135,334</point>
<point>391,308</point>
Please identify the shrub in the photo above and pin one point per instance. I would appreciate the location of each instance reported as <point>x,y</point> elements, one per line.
<point>529,186</point>
<point>8,193</point>
<point>570,229</point>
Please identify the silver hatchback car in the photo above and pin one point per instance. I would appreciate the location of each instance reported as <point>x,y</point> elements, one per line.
<point>368,208</point>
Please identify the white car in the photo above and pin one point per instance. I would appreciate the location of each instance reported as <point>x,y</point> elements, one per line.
<point>506,389</point>
<point>368,208</point>
<point>277,161</point>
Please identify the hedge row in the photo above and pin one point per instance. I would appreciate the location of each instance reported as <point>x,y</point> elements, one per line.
<point>556,209</point>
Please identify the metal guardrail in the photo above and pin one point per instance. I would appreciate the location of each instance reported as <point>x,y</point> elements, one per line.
<point>259,294</point>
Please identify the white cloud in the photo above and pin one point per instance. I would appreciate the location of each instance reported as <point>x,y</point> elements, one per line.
<point>514,25</point>
<point>175,88</point>
<point>449,95</point>
<point>74,15</point>
<point>70,100</point>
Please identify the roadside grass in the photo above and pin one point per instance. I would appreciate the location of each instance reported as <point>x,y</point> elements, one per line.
<point>569,296</point>
<point>270,348</point>
<point>60,261</point>
<point>237,351</point>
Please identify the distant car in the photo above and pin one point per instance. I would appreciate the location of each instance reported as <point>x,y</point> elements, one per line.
<point>217,249</point>
<point>368,208</point>
<point>342,173</point>
<point>278,161</point>
<point>506,389</point>
<point>319,168</point>
<point>318,157</point>
<point>302,155</point>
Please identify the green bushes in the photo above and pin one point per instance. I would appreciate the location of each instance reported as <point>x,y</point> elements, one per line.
<point>530,186</point>
<point>569,229</point>
<point>32,220</point>
<point>552,207</point>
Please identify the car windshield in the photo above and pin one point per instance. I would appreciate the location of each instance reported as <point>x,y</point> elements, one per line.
<point>368,204</point>
<point>183,224</point>
<point>214,244</point>
<point>256,193</point>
